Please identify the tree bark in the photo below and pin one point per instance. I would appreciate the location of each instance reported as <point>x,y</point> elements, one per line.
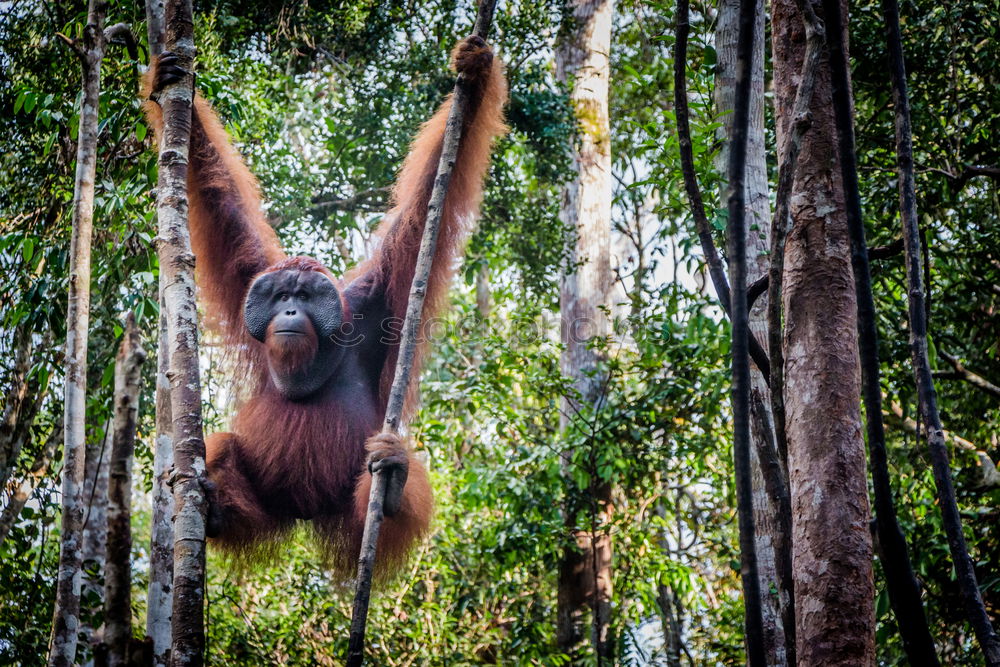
<point>582,62</point>
<point>902,585</point>
<point>832,548</point>
<point>95,531</point>
<point>740,395</point>
<point>117,570</point>
<point>66,614</point>
<point>177,265</point>
<point>159,597</point>
<point>772,524</point>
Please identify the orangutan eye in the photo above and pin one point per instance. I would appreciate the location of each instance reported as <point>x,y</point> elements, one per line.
<point>283,296</point>
<point>302,296</point>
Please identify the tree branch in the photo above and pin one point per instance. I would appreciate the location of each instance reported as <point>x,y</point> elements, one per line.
<point>121,33</point>
<point>962,373</point>
<point>989,476</point>
<point>704,230</point>
<point>741,335</point>
<point>408,344</point>
<point>918,641</point>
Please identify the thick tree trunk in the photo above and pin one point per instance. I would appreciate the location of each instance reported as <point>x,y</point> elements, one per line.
<point>66,615</point>
<point>117,571</point>
<point>159,597</point>
<point>771,526</point>
<point>582,62</point>
<point>832,548</point>
<point>177,264</point>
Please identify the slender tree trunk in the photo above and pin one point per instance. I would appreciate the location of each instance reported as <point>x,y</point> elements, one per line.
<point>666,600</point>
<point>177,264</point>
<point>964,568</point>
<point>582,62</point>
<point>832,548</point>
<point>771,523</point>
<point>95,531</point>
<point>159,597</point>
<point>66,616</point>
<point>118,570</point>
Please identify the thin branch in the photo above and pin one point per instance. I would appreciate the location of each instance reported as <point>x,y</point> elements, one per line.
<point>39,469</point>
<point>74,46</point>
<point>121,33</point>
<point>760,286</point>
<point>741,335</point>
<point>962,373</point>
<point>704,230</point>
<point>989,476</point>
<point>964,568</point>
<point>373,200</point>
<point>408,344</point>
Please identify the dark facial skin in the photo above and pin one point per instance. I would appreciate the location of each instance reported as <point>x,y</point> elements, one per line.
<point>297,314</point>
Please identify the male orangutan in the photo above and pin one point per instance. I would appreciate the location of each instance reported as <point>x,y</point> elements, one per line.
<point>317,354</point>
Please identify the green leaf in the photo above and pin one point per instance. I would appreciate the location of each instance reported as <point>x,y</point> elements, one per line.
<point>711,57</point>
<point>28,249</point>
<point>140,131</point>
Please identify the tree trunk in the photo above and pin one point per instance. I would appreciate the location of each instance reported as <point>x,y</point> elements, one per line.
<point>159,597</point>
<point>965,572</point>
<point>666,601</point>
<point>582,62</point>
<point>66,615</point>
<point>95,531</point>
<point>832,548</point>
<point>117,571</point>
<point>177,265</point>
<point>768,518</point>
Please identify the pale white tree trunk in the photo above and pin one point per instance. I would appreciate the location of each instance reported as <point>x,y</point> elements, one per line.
<point>832,547</point>
<point>177,265</point>
<point>117,569</point>
<point>66,615</point>
<point>95,529</point>
<point>582,62</point>
<point>159,597</point>
<point>758,218</point>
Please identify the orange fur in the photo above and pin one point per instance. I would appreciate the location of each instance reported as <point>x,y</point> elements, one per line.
<point>305,459</point>
<point>401,230</point>
<point>291,353</point>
